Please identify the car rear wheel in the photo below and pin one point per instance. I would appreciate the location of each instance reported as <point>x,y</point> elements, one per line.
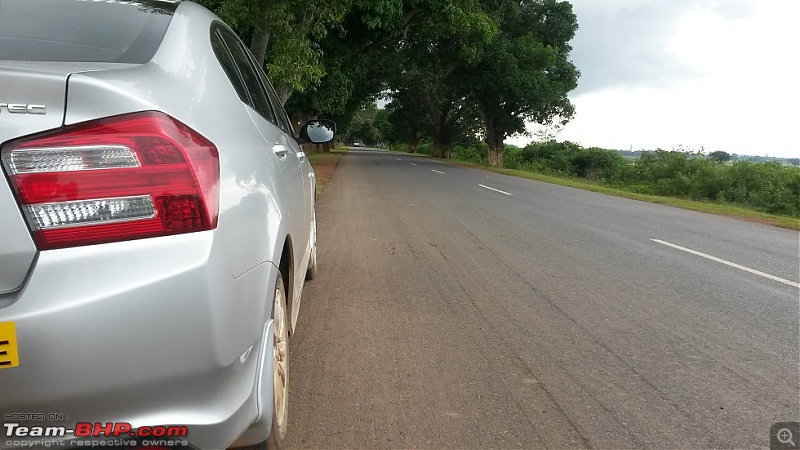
<point>280,367</point>
<point>280,371</point>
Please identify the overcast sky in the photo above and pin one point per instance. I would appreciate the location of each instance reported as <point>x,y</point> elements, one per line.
<point>717,74</point>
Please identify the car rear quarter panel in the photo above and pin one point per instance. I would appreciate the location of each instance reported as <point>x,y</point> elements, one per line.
<point>148,331</point>
<point>185,81</point>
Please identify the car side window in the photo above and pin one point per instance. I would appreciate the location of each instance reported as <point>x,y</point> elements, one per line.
<point>283,118</point>
<point>229,66</point>
<point>258,96</point>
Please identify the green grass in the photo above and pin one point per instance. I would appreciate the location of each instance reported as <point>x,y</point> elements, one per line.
<point>316,158</point>
<point>707,207</point>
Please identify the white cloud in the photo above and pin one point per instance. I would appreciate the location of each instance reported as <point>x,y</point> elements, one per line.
<point>615,40</point>
<point>721,75</point>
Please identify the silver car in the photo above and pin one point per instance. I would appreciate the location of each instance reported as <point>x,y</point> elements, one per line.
<point>157,226</point>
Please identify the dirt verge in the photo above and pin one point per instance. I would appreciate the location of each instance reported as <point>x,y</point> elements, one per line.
<point>324,164</point>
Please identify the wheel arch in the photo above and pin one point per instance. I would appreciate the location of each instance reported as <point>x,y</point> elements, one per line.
<point>286,267</point>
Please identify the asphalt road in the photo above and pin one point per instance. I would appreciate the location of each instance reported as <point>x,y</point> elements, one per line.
<point>447,314</point>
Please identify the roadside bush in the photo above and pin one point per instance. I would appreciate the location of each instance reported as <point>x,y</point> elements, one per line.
<point>426,148</point>
<point>661,165</point>
<point>768,186</point>
<point>551,157</point>
<point>475,153</point>
<point>597,163</point>
<point>568,158</point>
<point>513,158</point>
<point>708,179</point>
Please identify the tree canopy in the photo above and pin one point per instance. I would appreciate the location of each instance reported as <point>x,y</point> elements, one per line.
<point>448,70</point>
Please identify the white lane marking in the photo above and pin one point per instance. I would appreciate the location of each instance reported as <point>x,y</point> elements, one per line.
<point>437,171</point>
<point>728,263</point>
<point>493,189</point>
<point>412,164</point>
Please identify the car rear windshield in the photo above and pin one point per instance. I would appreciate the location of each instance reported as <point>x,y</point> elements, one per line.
<point>82,30</point>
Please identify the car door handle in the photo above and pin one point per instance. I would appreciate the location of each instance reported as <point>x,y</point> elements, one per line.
<point>301,155</point>
<point>280,150</point>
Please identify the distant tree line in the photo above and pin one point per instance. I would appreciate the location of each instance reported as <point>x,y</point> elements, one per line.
<point>720,156</point>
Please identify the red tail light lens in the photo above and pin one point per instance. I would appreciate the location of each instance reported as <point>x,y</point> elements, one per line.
<point>120,178</point>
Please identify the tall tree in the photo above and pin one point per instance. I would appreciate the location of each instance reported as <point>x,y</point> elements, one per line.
<point>720,156</point>
<point>423,100</point>
<point>283,35</point>
<point>407,119</point>
<point>429,60</point>
<point>366,55</point>
<point>524,73</point>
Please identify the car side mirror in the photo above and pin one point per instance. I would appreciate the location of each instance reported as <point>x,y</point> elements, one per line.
<point>319,131</point>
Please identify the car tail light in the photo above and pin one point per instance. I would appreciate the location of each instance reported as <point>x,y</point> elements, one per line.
<point>120,178</point>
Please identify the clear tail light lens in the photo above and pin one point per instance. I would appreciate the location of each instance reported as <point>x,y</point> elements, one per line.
<point>120,178</point>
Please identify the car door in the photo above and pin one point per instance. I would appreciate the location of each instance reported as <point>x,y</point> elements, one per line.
<point>310,182</point>
<point>277,141</point>
<point>308,194</point>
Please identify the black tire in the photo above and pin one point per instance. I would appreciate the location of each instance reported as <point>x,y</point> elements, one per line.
<point>311,271</point>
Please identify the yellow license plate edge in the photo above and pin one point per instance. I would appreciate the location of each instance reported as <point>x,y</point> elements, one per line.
<point>9,356</point>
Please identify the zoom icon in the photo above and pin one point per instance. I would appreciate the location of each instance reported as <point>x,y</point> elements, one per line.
<point>784,435</point>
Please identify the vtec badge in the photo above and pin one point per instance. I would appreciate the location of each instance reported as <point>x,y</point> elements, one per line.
<point>21,108</point>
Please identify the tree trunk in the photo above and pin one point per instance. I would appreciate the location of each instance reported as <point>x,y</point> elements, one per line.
<point>496,153</point>
<point>300,118</point>
<point>437,141</point>
<point>442,149</point>
<point>441,142</point>
<point>258,47</point>
<point>413,145</point>
<point>413,140</point>
<point>260,41</point>
<point>284,92</point>
<point>494,137</point>
<point>317,148</point>
<point>310,148</point>
<point>495,157</point>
